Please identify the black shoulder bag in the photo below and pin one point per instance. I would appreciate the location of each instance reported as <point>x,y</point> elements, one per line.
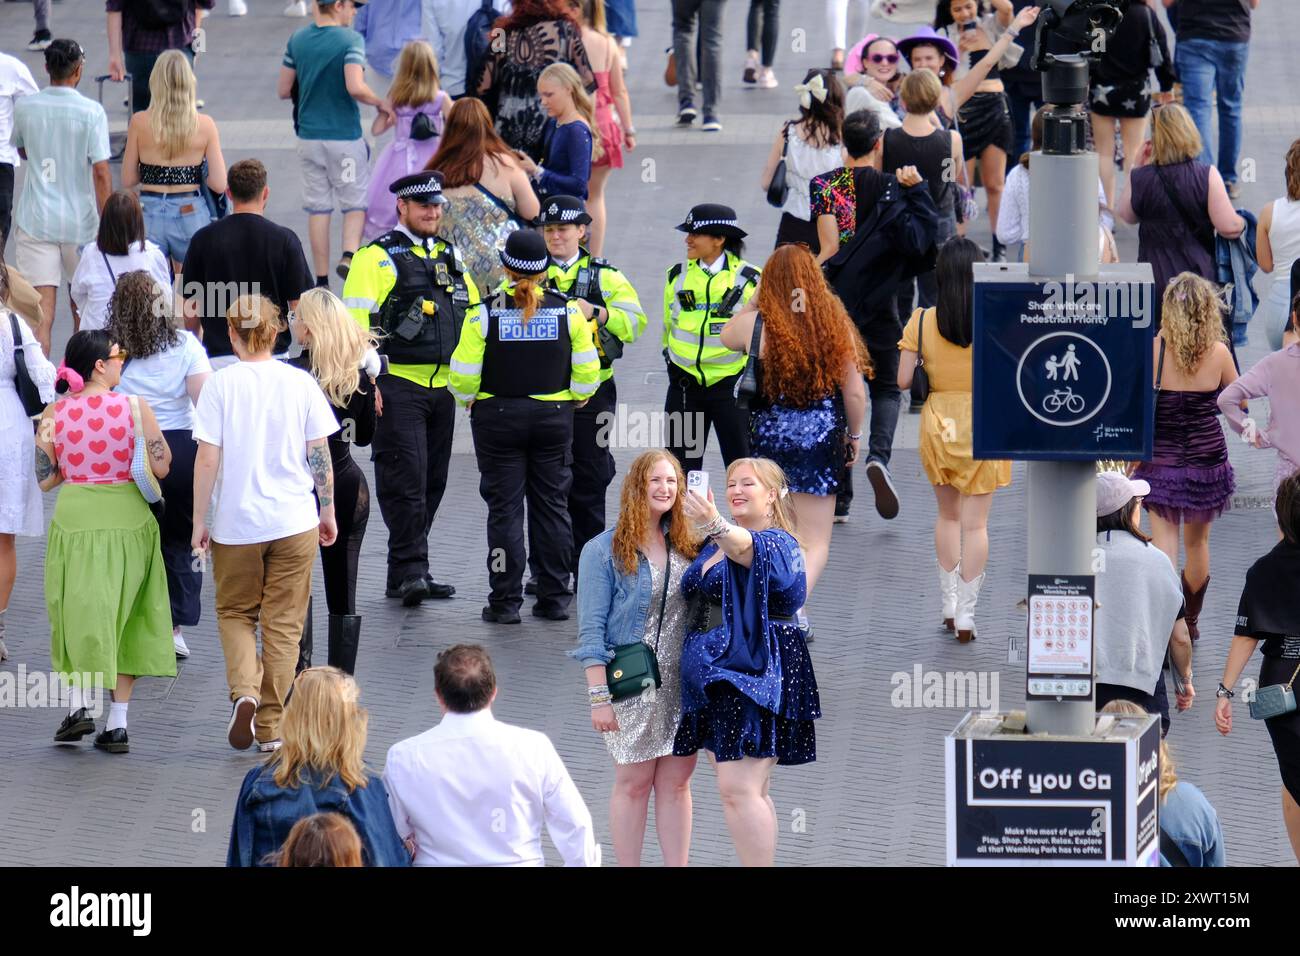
<point>778,189</point>
<point>920,377</point>
<point>28,393</point>
<point>747,384</point>
<point>634,667</point>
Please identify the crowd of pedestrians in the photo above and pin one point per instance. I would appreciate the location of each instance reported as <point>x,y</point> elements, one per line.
<point>185,447</point>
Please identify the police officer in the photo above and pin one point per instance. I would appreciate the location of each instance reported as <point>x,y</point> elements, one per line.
<point>612,308</point>
<point>699,296</point>
<point>522,364</point>
<point>413,288</point>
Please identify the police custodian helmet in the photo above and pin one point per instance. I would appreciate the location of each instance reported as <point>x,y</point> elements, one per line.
<point>713,219</point>
<point>525,253</point>
<point>563,210</point>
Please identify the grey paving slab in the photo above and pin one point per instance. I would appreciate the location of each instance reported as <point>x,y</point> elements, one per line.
<point>875,795</point>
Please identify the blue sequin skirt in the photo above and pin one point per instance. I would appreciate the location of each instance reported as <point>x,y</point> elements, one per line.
<point>731,725</point>
<point>808,443</point>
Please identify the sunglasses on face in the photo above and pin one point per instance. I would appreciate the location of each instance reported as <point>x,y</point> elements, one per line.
<point>890,58</point>
<point>121,355</point>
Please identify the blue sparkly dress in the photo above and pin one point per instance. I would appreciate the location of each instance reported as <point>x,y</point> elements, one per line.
<point>748,688</point>
<point>808,443</point>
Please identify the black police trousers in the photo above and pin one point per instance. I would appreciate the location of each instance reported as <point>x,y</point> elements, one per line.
<point>411,451</point>
<point>525,452</point>
<point>692,409</point>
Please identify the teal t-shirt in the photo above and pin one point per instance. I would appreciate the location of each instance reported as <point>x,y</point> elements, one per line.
<point>325,108</point>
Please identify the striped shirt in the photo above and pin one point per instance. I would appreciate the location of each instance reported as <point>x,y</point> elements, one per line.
<point>63,134</point>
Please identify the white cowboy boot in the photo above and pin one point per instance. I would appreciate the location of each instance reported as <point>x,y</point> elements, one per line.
<point>948,582</point>
<point>968,594</point>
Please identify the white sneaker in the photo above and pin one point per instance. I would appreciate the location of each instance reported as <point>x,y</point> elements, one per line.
<point>240,729</point>
<point>767,80</point>
<point>298,9</point>
<point>178,642</point>
<point>238,8</point>
<point>268,746</point>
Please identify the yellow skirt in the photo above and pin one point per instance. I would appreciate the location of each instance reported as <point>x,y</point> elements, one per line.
<point>946,436</point>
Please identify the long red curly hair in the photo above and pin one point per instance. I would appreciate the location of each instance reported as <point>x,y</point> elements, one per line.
<point>809,334</point>
<point>634,512</point>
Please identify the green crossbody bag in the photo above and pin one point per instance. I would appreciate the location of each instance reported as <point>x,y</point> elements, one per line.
<point>634,667</point>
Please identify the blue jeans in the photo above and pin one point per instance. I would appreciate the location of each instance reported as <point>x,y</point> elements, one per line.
<point>1209,69</point>
<point>172,220</point>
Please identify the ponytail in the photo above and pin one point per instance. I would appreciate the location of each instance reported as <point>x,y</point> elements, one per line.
<point>527,294</point>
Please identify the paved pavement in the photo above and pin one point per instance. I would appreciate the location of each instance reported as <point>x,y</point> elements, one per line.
<point>875,794</point>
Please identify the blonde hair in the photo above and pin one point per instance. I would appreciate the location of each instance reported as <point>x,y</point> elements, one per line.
<point>591,13</point>
<point>567,77</point>
<point>338,344</point>
<point>1168,775</point>
<point>920,92</point>
<point>323,729</point>
<point>173,115</point>
<point>415,81</point>
<point>1174,138</point>
<point>771,477</point>
<point>255,320</point>
<point>1191,319</point>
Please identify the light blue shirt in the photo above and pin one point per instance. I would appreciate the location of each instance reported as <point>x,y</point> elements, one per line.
<point>1190,821</point>
<point>387,26</point>
<point>443,25</point>
<point>64,135</point>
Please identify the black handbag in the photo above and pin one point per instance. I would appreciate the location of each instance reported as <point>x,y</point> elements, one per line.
<point>747,384</point>
<point>920,377</point>
<point>634,667</point>
<point>422,128</point>
<point>28,393</point>
<point>778,189</point>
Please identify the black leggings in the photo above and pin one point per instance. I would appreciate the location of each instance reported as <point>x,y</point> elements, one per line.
<point>341,559</point>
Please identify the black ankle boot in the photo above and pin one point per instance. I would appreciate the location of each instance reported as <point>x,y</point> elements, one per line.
<point>345,636</point>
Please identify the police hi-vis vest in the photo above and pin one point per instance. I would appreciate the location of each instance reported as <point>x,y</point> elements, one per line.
<point>697,304</point>
<point>595,280</point>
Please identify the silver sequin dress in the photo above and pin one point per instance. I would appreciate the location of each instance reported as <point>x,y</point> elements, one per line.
<point>648,722</point>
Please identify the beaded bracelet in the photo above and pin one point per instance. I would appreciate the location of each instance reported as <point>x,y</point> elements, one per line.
<point>598,690</point>
<point>602,701</point>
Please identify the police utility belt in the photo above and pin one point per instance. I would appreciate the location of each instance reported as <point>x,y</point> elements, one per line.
<point>587,286</point>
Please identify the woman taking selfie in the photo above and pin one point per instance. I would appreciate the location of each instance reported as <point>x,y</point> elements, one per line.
<point>749,695</point>
<point>630,591</point>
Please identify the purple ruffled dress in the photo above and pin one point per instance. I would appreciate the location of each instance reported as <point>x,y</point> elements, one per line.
<point>402,157</point>
<point>1189,473</point>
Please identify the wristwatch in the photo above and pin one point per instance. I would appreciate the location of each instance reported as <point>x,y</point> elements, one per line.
<point>1224,692</point>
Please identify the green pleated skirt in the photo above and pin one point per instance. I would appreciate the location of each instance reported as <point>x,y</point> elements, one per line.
<point>106,587</point>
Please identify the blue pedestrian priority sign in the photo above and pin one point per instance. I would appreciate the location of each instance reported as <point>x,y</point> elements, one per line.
<point>1062,368</point>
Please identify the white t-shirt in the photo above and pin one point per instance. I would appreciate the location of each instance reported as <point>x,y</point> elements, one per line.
<point>93,283</point>
<point>15,81</point>
<point>161,381</point>
<point>261,415</point>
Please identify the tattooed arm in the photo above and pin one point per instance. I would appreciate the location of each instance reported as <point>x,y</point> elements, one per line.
<point>160,454</point>
<point>322,476</point>
<point>47,466</point>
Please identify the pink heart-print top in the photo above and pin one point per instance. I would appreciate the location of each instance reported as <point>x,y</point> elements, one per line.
<point>94,439</point>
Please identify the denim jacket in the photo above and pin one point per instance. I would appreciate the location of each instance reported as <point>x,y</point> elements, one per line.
<point>265,813</point>
<point>612,606</point>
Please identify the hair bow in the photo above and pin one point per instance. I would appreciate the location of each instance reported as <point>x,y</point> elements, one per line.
<point>814,87</point>
<point>75,382</point>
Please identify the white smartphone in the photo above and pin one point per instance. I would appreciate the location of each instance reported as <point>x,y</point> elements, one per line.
<point>698,482</point>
